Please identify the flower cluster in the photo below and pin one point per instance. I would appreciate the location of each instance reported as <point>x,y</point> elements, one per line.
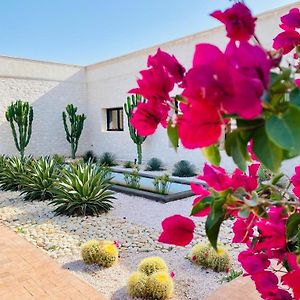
<point>247,84</point>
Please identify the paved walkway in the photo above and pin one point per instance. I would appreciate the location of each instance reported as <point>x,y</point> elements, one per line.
<point>28,273</point>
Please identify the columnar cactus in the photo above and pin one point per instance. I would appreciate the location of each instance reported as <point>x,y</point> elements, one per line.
<point>21,114</point>
<point>129,106</point>
<point>76,126</point>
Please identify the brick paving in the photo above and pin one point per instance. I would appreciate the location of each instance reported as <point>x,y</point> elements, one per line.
<point>28,273</point>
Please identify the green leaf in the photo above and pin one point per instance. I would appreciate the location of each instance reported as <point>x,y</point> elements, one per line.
<point>295,97</point>
<point>283,130</point>
<point>236,147</point>
<point>172,131</point>
<point>204,203</point>
<point>244,213</point>
<point>214,221</point>
<point>293,225</point>
<point>212,154</point>
<point>266,151</point>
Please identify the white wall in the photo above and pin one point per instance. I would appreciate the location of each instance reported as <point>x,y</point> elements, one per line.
<point>109,81</point>
<point>49,87</point>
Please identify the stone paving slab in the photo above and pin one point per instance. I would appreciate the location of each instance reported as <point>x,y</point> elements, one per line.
<point>28,273</point>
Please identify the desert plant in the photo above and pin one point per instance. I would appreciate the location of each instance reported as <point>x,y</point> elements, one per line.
<point>206,256</point>
<point>154,164</point>
<point>231,276</point>
<point>38,181</point>
<point>89,156</point>
<point>102,253</point>
<point>162,184</point>
<point>20,114</point>
<point>133,179</point>
<point>138,285</point>
<point>128,164</point>
<point>184,168</point>
<point>74,129</point>
<point>58,159</point>
<point>12,171</point>
<point>129,106</point>
<point>82,189</point>
<point>150,265</point>
<point>107,159</point>
<point>161,285</point>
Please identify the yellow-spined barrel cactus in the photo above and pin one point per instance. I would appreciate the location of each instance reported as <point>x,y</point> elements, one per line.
<point>151,265</point>
<point>138,285</point>
<point>102,253</point>
<point>161,285</point>
<point>206,256</point>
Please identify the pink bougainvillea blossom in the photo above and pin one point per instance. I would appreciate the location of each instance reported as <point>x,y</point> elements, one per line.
<point>239,22</point>
<point>201,192</point>
<point>147,116</point>
<point>291,279</point>
<point>177,230</point>
<point>253,263</point>
<point>292,19</point>
<point>287,41</point>
<point>243,229</point>
<point>296,181</point>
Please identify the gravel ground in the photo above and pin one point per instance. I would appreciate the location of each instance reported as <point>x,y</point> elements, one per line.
<point>134,223</point>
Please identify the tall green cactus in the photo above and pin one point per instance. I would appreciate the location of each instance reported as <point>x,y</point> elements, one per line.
<point>76,126</point>
<point>130,104</point>
<point>20,113</point>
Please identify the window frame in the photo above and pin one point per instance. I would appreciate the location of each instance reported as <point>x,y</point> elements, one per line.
<point>120,125</point>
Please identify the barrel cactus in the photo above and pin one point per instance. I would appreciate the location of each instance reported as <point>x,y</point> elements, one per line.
<point>151,265</point>
<point>138,285</point>
<point>102,253</point>
<point>129,106</point>
<point>161,285</point>
<point>20,114</point>
<point>76,125</point>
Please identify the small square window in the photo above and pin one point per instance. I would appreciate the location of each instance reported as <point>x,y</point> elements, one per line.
<point>114,119</point>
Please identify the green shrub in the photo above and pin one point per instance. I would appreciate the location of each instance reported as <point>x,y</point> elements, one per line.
<point>38,181</point>
<point>154,164</point>
<point>133,179</point>
<point>184,168</point>
<point>162,184</point>
<point>12,171</point>
<point>58,159</point>
<point>107,159</point>
<point>82,189</point>
<point>89,156</point>
<point>128,164</point>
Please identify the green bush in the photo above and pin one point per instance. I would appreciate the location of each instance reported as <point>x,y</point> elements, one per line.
<point>107,159</point>
<point>38,181</point>
<point>82,189</point>
<point>133,179</point>
<point>12,171</point>
<point>154,164</point>
<point>162,184</point>
<point>128,164</point>
<point>58,159</point>
<point>89,156</point>
<point>184,168</point>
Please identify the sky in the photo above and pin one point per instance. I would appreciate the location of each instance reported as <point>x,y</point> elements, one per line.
<point>83,32</point>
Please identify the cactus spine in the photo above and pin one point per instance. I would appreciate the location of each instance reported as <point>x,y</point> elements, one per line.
<point>129,106</point>
<point>76,126</point>
<point>20,113</point>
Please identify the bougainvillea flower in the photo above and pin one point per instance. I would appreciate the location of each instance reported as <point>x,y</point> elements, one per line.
<point>252,262</point>
<point>147,116</point>
<point>297,82</point>
<point>202,192</point>
<point>171,64</point>
<point>251,60</point>
<point>155,84</point>
<point>216,178</point>
<point>238,20</point>
<point>292,19</point>
<point>199,126</point>
<point>286,41</point>
<point>177,230</point>
<point>248,182</point>
<point>243,229</point>
<point>266,282</point>
<point>296,181</point>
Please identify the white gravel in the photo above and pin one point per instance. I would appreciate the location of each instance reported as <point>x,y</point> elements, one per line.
<point>134,223</point>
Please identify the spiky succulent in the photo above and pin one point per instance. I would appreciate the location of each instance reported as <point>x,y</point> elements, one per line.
<point>82,189</point>
<point>161,285</point>
<point>38,181</point>
<point>151,265</point>
<point>138,285</point>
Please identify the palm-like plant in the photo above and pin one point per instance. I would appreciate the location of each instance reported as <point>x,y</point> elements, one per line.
<point>38,182</point>
<point>11,172</point>
<point>83,190</point>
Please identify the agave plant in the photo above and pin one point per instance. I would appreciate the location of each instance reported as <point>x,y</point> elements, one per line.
<point>11,172</point>
<point>38,182</point>
<point>82,189</point>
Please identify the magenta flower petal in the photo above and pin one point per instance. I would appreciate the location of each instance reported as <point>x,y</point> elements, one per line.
<point>292,19</point>
<point>286,41</point>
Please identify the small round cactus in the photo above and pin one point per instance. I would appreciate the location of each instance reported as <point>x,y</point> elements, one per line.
<point>151,265</point>
<point>138,285</point>
<point>160,285</point>
<point>102,253</point>
<point>206,256</point>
